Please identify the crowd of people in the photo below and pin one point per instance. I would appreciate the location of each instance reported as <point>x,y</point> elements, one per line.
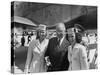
<point>66,51</point>
<point>21,39</point>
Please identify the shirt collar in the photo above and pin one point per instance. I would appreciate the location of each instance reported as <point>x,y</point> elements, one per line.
<point>61,40</point>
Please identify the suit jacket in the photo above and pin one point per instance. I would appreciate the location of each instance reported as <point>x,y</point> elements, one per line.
<point>58,55</point>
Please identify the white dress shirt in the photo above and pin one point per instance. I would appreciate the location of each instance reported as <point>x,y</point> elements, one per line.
<point>61,40</point>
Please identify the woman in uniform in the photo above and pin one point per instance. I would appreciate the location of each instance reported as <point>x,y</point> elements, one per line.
<point>35,58</point>
<point>77,54</point>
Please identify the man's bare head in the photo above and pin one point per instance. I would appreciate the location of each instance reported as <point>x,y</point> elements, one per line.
<point>60,28</point>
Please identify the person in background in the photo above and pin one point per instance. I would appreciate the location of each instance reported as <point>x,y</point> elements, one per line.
<point>35,61</point>
<point>22,40</point>
<point>85,39</point>
<point>77,54</point>
<point>96,38</point>
<point>57,50</point>
<point>29,39</point>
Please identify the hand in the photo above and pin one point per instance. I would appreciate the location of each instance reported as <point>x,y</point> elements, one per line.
<point>47,61</point>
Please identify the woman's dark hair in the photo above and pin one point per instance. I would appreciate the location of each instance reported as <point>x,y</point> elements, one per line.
<point>67,37</point>
<point>78,37</point>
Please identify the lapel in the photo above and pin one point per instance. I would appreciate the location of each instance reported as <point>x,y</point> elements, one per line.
<point>63,45</point>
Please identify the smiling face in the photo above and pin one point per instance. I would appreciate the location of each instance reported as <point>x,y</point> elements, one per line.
<point>42,33</point>
<point>60,33</point>
<point>71,37</point>
<point>60,30</point>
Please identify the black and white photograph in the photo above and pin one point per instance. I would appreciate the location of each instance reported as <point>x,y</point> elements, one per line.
<point>53,37</point>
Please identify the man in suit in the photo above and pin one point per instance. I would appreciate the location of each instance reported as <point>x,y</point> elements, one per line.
<point>58,49</point>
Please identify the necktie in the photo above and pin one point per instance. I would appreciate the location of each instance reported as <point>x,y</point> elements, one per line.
<point>58,42</point>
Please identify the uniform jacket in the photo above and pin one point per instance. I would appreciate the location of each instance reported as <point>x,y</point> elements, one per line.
<point>77,57</point>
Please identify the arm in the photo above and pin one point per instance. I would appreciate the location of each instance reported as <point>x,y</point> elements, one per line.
<point>69,53</point>
<point>47,60</point>
<point>47,49</point>
<point>83,59</point>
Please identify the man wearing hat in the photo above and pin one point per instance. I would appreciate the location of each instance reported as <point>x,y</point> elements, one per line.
<point>57,50</point>
<point>79,28</point>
